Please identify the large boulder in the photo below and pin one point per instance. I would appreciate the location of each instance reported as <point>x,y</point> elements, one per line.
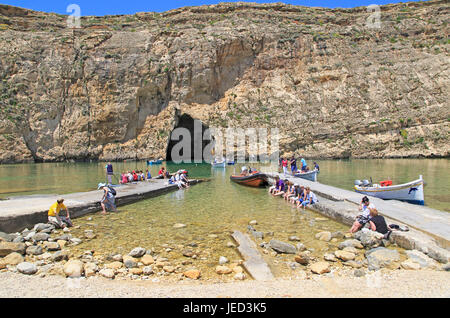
<point>344,255</point>
<point>74,268</point>
<point>90,269</point>
<point>320,268</point>
<point>282,247</point>
<point>138,252</point>
<point>43,227</point>
<point>107,273</point>
<point>60,256</point>
<point>6,237</point>
<point>324,236</point>
<point>52,246</point>
<point>40,237</point>
<point>10,247</point>
<point>34,250</point>
<point>369,238</point>
<point>423,260</point>
<point>192,274</point>
<point>27,268</point>
<point>12,259</point>
<point>381,257</point>
<point>351,243</point>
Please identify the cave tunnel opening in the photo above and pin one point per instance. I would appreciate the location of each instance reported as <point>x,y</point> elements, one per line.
<point>189,141</point>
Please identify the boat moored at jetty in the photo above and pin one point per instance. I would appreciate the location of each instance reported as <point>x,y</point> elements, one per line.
<point>310,175</point>
<point>255,179</point>
<point>411,192</point>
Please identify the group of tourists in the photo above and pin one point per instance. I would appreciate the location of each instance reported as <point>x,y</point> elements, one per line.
<point>135,176</point>
<point>180,179</point>
<point>297,195</point>
<point>284,164</point>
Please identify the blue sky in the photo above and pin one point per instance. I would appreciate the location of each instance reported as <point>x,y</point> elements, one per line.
<point>110,7</point>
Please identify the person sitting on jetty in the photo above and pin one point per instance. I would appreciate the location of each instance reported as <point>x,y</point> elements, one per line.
<point>274,187</point>
<point>279,186</point>
<point>108,200</point>
<point>130,176</point>
<point>165,174</point>
<point>300,197</point>
<point>309,198</point>
<point>123,178</point>
<point>362,219</point>
<point>54,217</point>
<point>378,223</point>
<point>298,194</point>
<point>184,179</point>
<point>149,175</point>
<point>280,191</point>
<point>289,191</point>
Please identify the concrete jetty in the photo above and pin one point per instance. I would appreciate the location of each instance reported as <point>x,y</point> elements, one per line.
<point>254,262</point>
<point>19,213</point>
<point>429,228</point>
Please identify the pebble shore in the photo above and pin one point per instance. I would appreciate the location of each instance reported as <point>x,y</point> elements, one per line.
<point>400,283</point>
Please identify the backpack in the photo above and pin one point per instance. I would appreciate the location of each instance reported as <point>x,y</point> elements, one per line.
<point>113,192</point>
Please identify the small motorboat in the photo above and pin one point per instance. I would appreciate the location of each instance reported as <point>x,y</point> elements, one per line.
<point>154,162</point>
<point>219,163</point>
<point>411,192</point>
<point>310,175</point>
<point>255,179</point>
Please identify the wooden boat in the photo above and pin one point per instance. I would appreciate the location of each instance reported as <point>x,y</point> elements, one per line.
<point>255,179</point>
<point>311,175</point>
<point>411,192</point>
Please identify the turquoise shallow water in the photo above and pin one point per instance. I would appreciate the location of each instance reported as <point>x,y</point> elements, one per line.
<point>62,178</point>
<point>211,210</point>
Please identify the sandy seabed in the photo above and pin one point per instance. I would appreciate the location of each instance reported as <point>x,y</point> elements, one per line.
<point>400,283</point>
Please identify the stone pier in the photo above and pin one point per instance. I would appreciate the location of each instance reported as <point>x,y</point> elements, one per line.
<point>19,213</point>
<point>429,228</point>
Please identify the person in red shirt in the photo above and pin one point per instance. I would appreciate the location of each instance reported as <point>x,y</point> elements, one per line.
<point>135,176</point>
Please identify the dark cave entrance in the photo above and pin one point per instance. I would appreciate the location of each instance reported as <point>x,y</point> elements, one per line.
<point>190,141</point>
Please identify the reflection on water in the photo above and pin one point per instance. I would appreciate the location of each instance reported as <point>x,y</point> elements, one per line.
<point>211,210</point>
<point>62,178</point>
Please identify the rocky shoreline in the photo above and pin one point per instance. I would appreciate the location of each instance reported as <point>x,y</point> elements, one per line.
<point>44,251</point>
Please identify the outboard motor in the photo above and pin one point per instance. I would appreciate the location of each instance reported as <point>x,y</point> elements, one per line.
<point>358,183</point>
<point>367,183</point>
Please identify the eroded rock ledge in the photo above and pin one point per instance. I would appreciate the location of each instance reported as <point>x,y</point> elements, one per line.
<point>333,86</point>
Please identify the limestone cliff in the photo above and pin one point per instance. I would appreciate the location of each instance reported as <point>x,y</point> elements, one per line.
<point>334,86</point>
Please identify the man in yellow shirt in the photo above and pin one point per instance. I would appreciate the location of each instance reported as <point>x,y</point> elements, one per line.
<point>53,214</point>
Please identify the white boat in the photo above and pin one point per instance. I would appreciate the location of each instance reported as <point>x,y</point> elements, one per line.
<point>311,175</point>
<point>219,163</point>
<point>411,192</point>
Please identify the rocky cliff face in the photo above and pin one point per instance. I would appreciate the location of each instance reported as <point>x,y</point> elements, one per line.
<point>335,87</point>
